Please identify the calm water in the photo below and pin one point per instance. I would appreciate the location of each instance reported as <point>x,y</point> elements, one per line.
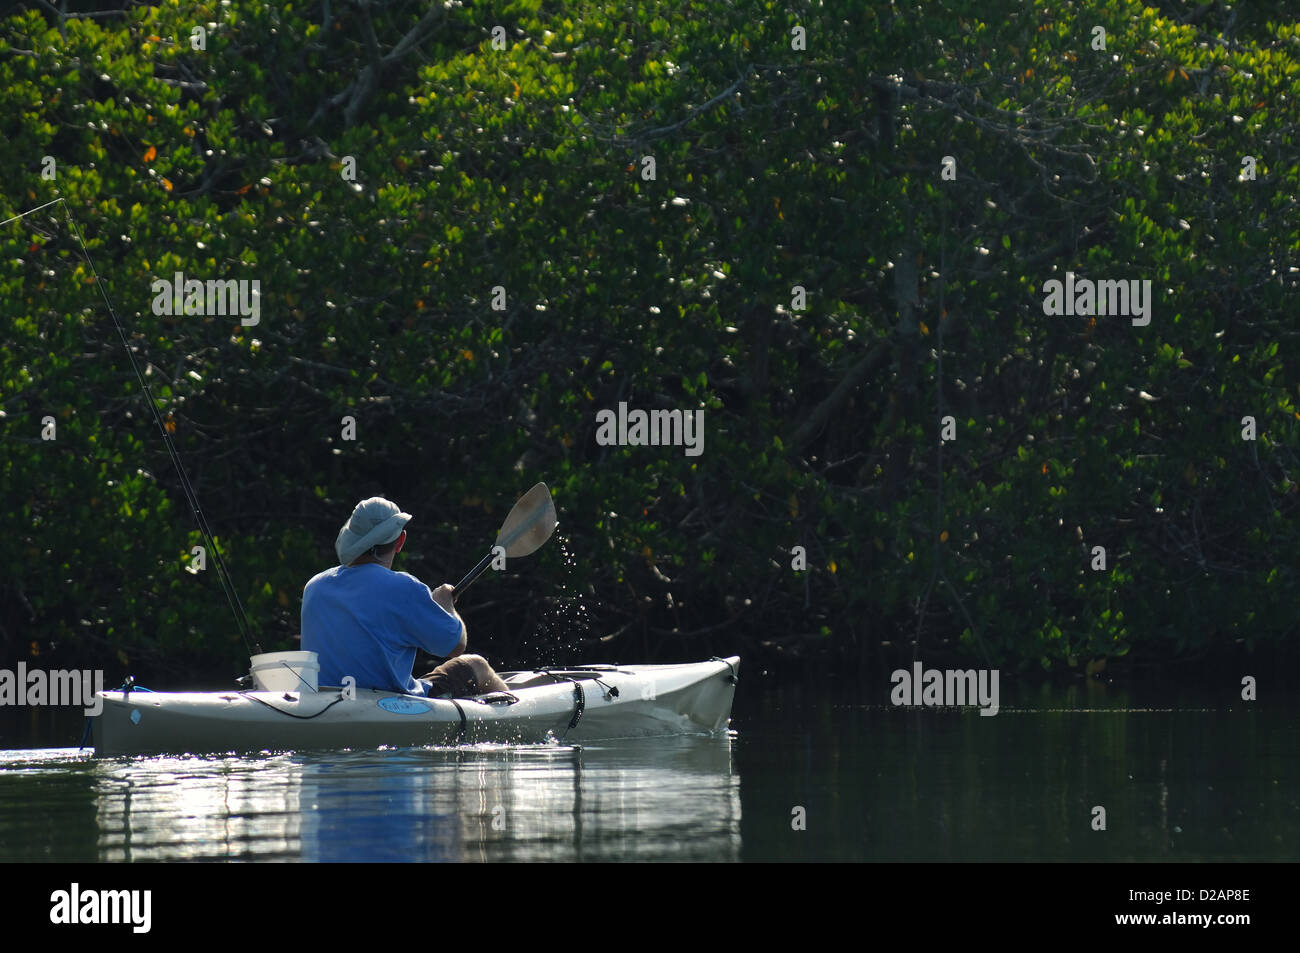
<point>1182,776</point>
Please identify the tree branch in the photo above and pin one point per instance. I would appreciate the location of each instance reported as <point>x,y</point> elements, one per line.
<point>843,390</point>
<point>359,91</point>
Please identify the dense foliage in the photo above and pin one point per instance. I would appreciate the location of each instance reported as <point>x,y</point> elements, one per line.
<point>522,167</point>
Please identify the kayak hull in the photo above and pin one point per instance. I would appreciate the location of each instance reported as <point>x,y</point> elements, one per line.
<point>570,705</point>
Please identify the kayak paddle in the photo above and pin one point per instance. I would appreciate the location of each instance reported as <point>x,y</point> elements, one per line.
<point>530,524</point>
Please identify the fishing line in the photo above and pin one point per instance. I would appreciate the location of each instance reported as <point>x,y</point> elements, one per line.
<point>191,497</point>
<point>30,211</point>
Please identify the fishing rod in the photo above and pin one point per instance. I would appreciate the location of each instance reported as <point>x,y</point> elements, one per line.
<point>191,497</point>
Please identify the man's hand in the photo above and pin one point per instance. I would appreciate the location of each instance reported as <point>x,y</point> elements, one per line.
<point>443,596</point>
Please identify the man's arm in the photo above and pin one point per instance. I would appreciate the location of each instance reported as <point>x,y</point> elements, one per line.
<point>443,596</point>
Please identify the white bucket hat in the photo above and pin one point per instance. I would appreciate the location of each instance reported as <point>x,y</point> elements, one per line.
<point>374,522</point>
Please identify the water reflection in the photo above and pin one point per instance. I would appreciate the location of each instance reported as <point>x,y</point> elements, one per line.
<point>675,798</point>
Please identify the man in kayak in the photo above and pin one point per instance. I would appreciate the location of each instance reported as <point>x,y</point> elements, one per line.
<point>365,620</point>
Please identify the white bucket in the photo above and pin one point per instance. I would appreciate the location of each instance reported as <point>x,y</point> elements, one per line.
<point>285,671</point>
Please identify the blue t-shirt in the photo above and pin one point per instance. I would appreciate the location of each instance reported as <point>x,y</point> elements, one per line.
<point>367,621</point>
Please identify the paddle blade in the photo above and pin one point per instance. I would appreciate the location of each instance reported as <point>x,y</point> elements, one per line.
<point>530,523</point>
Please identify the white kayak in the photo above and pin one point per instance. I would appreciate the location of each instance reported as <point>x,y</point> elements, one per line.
<point>583,703</point>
